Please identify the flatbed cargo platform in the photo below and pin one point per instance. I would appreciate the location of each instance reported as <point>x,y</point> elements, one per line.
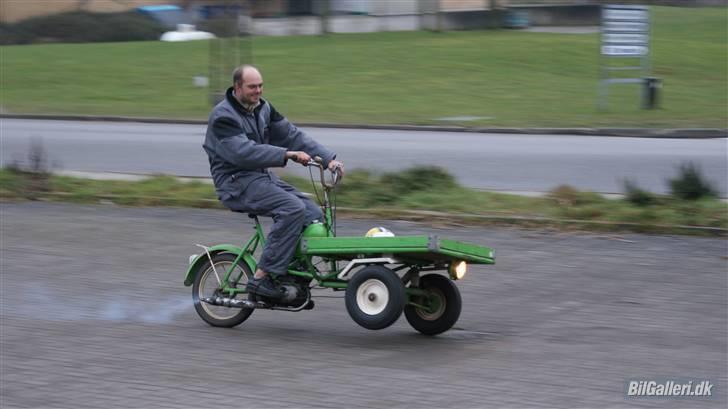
<point>428,249</point>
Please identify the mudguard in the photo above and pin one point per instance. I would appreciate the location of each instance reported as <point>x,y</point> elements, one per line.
<point>197,263</point>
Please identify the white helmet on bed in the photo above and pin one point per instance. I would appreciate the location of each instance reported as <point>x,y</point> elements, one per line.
<point>379,232</point>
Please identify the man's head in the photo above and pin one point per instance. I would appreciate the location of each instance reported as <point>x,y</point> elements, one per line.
<point>248,84</point>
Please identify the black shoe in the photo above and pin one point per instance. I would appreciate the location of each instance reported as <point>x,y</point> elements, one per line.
<point>264,287</point>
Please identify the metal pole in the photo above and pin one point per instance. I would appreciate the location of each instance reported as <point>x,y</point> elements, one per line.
<point>325,9</point>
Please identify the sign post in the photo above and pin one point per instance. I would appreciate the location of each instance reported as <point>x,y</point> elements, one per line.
<point>625,48</point>
<point>230,22</point>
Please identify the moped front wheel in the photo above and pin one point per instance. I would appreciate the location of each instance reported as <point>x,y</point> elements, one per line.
<point>208,285</point>
<point>439,310</point>
<point>375,297</point>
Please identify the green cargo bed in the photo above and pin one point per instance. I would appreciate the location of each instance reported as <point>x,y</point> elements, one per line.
<point>429,249</point>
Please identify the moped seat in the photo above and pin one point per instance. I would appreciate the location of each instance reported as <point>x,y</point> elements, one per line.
<point>251,215</point>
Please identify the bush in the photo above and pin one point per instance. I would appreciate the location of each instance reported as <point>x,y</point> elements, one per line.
<point>418,179</point>
<point>81,27</point>
<point>565,195</point>
<point>690,184</point>
<point>364,189</point>
<point>30,180</point>
<point>638,196</point>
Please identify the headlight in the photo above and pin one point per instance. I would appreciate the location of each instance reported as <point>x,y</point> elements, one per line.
<point>458,269</point>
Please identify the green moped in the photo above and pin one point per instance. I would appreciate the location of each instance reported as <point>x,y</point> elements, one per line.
<point>382,275</point>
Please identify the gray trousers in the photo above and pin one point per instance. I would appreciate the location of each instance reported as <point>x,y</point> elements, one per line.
<point>290,210</point>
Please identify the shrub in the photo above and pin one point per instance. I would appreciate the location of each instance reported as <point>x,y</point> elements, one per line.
<point>364,189</point>
<point>690,184</point>
<point>81,27</point>
<point>31,180</point>
<point>418,179</point>
<point>565,195</point>
<point>638,196</point>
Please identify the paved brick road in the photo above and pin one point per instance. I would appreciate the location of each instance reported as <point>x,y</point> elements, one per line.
<point>94,315</point>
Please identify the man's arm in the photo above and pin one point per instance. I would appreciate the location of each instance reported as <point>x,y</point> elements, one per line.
<point>285,134</point>
<point>235,147</point>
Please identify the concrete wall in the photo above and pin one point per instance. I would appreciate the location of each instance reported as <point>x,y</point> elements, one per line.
<point>336,24</point>
<point>576,15</point>
<point>287,26</point>
<point>399,7</point>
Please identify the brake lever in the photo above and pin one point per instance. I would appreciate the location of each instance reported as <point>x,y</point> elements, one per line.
<point>338,175</point>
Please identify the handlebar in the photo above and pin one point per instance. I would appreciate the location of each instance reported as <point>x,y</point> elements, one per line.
<point>317,162</point>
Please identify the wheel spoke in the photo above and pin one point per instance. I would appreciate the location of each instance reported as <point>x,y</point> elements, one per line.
<point>218,312</point>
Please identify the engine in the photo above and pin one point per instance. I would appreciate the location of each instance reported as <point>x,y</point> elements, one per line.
<point>297,293</point>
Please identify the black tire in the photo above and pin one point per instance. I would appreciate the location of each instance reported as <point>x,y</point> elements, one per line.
<point>219,316</point>
<point>375,297</point>
<point>446,298</point>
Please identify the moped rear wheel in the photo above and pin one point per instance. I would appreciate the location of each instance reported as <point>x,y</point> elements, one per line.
<point>443,305</point>
<point>206,286</point>
<point>375,297</point>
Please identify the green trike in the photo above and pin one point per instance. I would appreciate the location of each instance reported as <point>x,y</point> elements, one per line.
<point>382,274</point>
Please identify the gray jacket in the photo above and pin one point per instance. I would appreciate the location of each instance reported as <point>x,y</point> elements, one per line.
<point>241,145</point>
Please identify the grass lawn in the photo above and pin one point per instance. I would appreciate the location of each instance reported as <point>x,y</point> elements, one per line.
<point>398,195</point>
<point>509,78</point>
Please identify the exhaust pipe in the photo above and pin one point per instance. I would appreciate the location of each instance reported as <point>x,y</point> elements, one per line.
<point>236,303</point>
<point>229,302</point>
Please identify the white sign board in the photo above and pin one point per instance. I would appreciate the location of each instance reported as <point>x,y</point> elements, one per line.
<point>625,26</point>
<point>625,31</point>
<point>624,14</point>
<point>625,36</point>
<point>609,38</point>
<point>624,50</point>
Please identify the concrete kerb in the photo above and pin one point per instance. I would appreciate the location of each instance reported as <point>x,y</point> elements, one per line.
<point>678,133</point>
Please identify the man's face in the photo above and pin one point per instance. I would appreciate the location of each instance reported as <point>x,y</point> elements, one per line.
<point>251,89</point>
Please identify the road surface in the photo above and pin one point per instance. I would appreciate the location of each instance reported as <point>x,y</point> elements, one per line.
<point>93,314</point>
<point>518,163</point>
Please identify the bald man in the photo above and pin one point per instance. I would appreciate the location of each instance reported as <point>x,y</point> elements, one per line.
<point>245,137</point>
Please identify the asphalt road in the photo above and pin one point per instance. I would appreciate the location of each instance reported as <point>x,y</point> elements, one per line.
<point>93,314</point>
<point>521,163</point>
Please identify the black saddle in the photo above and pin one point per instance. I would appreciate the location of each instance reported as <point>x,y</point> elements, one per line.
<point>251,215</point>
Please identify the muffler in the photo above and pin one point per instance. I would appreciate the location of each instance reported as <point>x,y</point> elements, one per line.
<point>237,303</point>
<point>231,302</point>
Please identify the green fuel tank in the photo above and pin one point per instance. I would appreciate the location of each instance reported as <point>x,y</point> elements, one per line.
<point>315,230</point>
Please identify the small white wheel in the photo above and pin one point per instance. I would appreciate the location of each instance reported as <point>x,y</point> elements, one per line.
<point>375,297</point>
<point>372,297</point>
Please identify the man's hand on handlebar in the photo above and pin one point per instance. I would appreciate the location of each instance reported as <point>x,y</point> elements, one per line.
<point>337,167</point>
<point>299,156</point>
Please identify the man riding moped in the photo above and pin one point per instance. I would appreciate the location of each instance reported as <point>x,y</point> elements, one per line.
<point>246,136</point>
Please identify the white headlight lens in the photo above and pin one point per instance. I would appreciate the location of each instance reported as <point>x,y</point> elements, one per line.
<point>458,270</point>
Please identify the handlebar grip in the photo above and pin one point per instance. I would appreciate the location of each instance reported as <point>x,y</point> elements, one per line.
<point>317,159</point>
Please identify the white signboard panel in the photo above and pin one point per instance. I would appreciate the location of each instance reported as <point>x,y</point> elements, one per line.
<point>624,50</point>
<point>625,26</point>
<point>625,31</point>
<point>608,38</point>
<point>625,34</point>
<point>624,14</point>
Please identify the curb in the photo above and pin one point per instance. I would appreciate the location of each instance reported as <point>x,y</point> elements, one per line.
<point>677,133</point>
